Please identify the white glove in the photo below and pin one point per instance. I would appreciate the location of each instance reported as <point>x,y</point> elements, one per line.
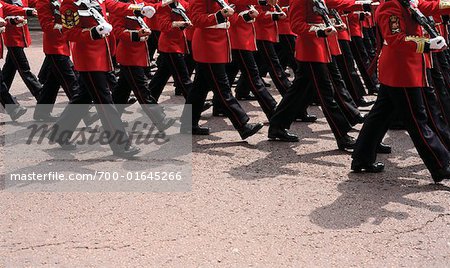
<point>437,43</point>
<point>104,28</point>
<point>2,29</point>
<point>57,26</point>
<point>166,2</point>
<point>148,11</point>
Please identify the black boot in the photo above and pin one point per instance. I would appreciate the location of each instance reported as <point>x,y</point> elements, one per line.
<point>278,134</point>
<point>367,168</point>
<point>249,130</point>
<point>346,143</point>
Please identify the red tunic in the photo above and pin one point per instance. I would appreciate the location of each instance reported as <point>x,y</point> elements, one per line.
<point>19,36</point>
<point>8,10</point>
<point>211,41</point>
<point>284,26</point>
<point>266,27</point>
<point>355,26</point>
<point>90,55</point>
<point>54,42</point>
<point>304,22</point>
<point>171,40</point>
<point>129,52</point>
<point>345,35</point>
<point>402,61</point>
<point>242,33</point>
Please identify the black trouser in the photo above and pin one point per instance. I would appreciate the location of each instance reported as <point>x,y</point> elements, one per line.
<point>342,96</point>
<point>369,41</point>
<point>6,99</point>
<point>132,78</point>
<point>286,51</point>
<point>59,73</point>
<point>410,104</point>
<point>363,61</point>
<point>346,63</point>
<point>315,75</point>
<point>190,62</point>
<point>440,85</point>
<point>245,62</point>
<point>94,87</point>
<point>268,55</point>
<point>16,60</point>
<point>170,64</point>
<point>153,43</point>
<point>213,76</point>
<point>435,119</point>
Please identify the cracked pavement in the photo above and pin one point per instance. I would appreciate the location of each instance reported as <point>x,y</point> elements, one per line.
<point>254,203</point>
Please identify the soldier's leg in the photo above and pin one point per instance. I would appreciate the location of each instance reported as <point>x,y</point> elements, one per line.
<point>135,77</point>
<point>10,103</point>
<point>19,59</point>
<point>96,83</point>
<point>269,55</point>
<point>180,73</point>
<point>363,61</point>
<point>342,96</point>
<point>351,77</point>
<point>435,118</point>
<point>249,70</point>
<point>374,129</point>
<point>162,75</point>
<point>429,146</point>
<point>217,79</point>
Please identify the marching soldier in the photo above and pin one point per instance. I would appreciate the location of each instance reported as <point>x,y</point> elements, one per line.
<point>402,73</point>
<point>84,25</point>
<point>212,51</point>
<point>59,68</point>
<point>16,39</point>
<point>9,102</point>
<point>132,55</point>
<point>312,54</point>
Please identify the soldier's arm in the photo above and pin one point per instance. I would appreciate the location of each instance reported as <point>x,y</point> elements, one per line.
<point>46,18</point>
<point>12,10</point>
<point>71,23</point>
<point>200,18</point>
<point>392,25</point>
<point>298,21</point>
<point>33,3</point>
<point>121,9</point>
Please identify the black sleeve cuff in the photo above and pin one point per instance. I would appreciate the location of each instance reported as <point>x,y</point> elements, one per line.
<point>12,21</point>
<point>29,13</point>
<point>321,33</point>
<point>138,13</point>
<point>367,7</point>
<point>135,37</point>
<point>247,17</point>
<point>426,49</point>
<point>94,34</point>
<point>362,16</point>
<point>220,18</point>
<point>262,2</point>
<point>275,17</point>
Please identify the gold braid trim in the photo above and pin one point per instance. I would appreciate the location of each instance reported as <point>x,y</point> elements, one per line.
<point>444,4</point>
<point>420,42</point>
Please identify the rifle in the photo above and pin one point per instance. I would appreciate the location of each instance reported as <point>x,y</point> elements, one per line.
<point>420,18</point>
<point>56,12</point>
<point>92,10</point>
<point>336,15</point>
<point>321,9</point>
<point>140,21</point>
<point>179,10</point>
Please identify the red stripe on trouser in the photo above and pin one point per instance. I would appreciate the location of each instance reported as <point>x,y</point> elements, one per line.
<point>350,78</point>
<point>339,95</point>
<point>427,107</point>
<point>19,69</point>
<point>418,128</point>
<point>180,82</point>
<point>66,86</point>
<point>138,92</point>
<point>99,100</point>
<point>252,82</point>
<point>273,67</point>
<point>219,92</point>
<point>321,99</point>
